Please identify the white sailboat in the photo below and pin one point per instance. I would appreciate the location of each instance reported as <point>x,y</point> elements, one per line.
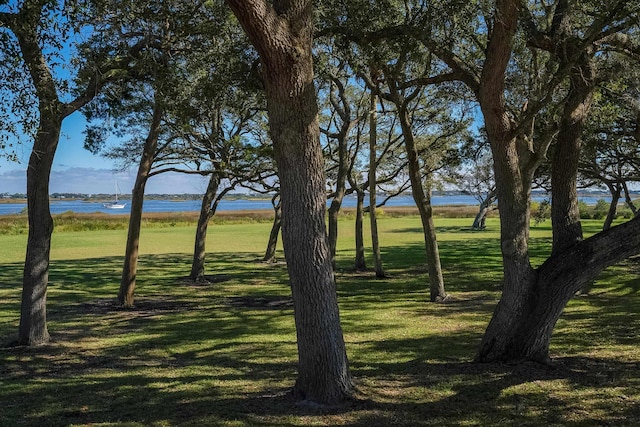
<point>115,204</point>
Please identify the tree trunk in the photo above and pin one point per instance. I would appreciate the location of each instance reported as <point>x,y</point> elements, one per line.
<point>533,300</point>
<point>422,197</point>
<point>343,109</point>
<point>628,201</point>
<point>272,244</point>
<point>128,281</point>
<point>206,212</point>
<point>33,312</point>
<point>513,175</point>
<point>283,39</point>
<point>565,215</point>
<point>360,262</point>
<point>616,191</point>
<point>375,242</point>
<point>481,216</point>
<point>555,283</point>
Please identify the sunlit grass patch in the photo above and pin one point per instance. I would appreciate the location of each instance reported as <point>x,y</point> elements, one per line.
<point>223,352</point>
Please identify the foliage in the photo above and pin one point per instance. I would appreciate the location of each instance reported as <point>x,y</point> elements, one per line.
<point>541,211</point>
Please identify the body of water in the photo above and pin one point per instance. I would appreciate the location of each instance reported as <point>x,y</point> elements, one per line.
<point>80,206</point>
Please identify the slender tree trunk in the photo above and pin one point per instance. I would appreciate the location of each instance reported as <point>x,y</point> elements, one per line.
<point>272,244</point>
<point>481,216</point>
<point>343,109</point>
<point>628,201</point>
<point>283,39</point>
<point>206,212</point>
<point>422,197</point>
<point>616,191</point>
<point>33,313</point>
<point>360,262</point>
<point>373,218</point>
<point>333,211</point>
<point>129,270</point>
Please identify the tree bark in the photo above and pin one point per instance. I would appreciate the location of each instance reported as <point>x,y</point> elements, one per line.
<point>360,263</point>
<point>206,213</point>
<point>422,197</point>
<point>129,270</point>
<point>33,313</point>
<point>557,281</point>
<point>33,310</point>
<point>616,192</point>
<point>481,216</point>
<point>341,105</point>
<point>373,218</point>
<point>565,215</point>
<point>513,175</point>
<point>272,244</point>
<point>282,36</point>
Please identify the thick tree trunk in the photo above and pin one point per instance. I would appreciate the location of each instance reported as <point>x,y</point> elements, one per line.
<point>33,313</point>
<point>565,215</point>
<point>129,270</point>
<point>519,277</point>
<point>555,283</point>
<point>272,244</point>
<point>206,212</point>
<point>533,300</point>
<point>513,174</point>
<point>373,218</point>
<point>283,39</point>
<point>422,197</point>
<point>360,261</point>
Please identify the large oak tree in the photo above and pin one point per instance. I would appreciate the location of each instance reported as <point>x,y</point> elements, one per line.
<point>281,32</point>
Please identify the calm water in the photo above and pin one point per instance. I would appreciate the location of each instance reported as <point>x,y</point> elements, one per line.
<point>80,206</point>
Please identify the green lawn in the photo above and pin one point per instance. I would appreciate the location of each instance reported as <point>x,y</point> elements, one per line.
<point>224,352</point>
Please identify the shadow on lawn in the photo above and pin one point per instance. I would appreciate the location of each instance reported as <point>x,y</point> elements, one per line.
<point>224,352</point>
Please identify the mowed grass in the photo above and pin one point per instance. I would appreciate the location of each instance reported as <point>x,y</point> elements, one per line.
<point>224,352</point>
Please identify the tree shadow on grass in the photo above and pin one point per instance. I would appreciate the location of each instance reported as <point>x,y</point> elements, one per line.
<point>225,353</point>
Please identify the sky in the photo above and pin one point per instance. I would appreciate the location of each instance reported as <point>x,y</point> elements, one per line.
<point>76,170</point>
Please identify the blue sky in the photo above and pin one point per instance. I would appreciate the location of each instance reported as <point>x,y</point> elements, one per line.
<point>76,170</point>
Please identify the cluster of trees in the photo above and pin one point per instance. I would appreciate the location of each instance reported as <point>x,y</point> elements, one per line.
<point>300,99</point>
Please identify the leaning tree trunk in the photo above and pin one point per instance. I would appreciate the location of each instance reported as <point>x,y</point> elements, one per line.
<point>33,313</point>
<point>533,300</point>
<point>360,261</point>
<point>283,39</point>
<point>616,191</point>
<point>272,244</point>
<point>422,198</point>
<point>206,212</point>
<point>628,201</point>
<point>483,211</point>
<point>557,281</point>
<point>129,270</point>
